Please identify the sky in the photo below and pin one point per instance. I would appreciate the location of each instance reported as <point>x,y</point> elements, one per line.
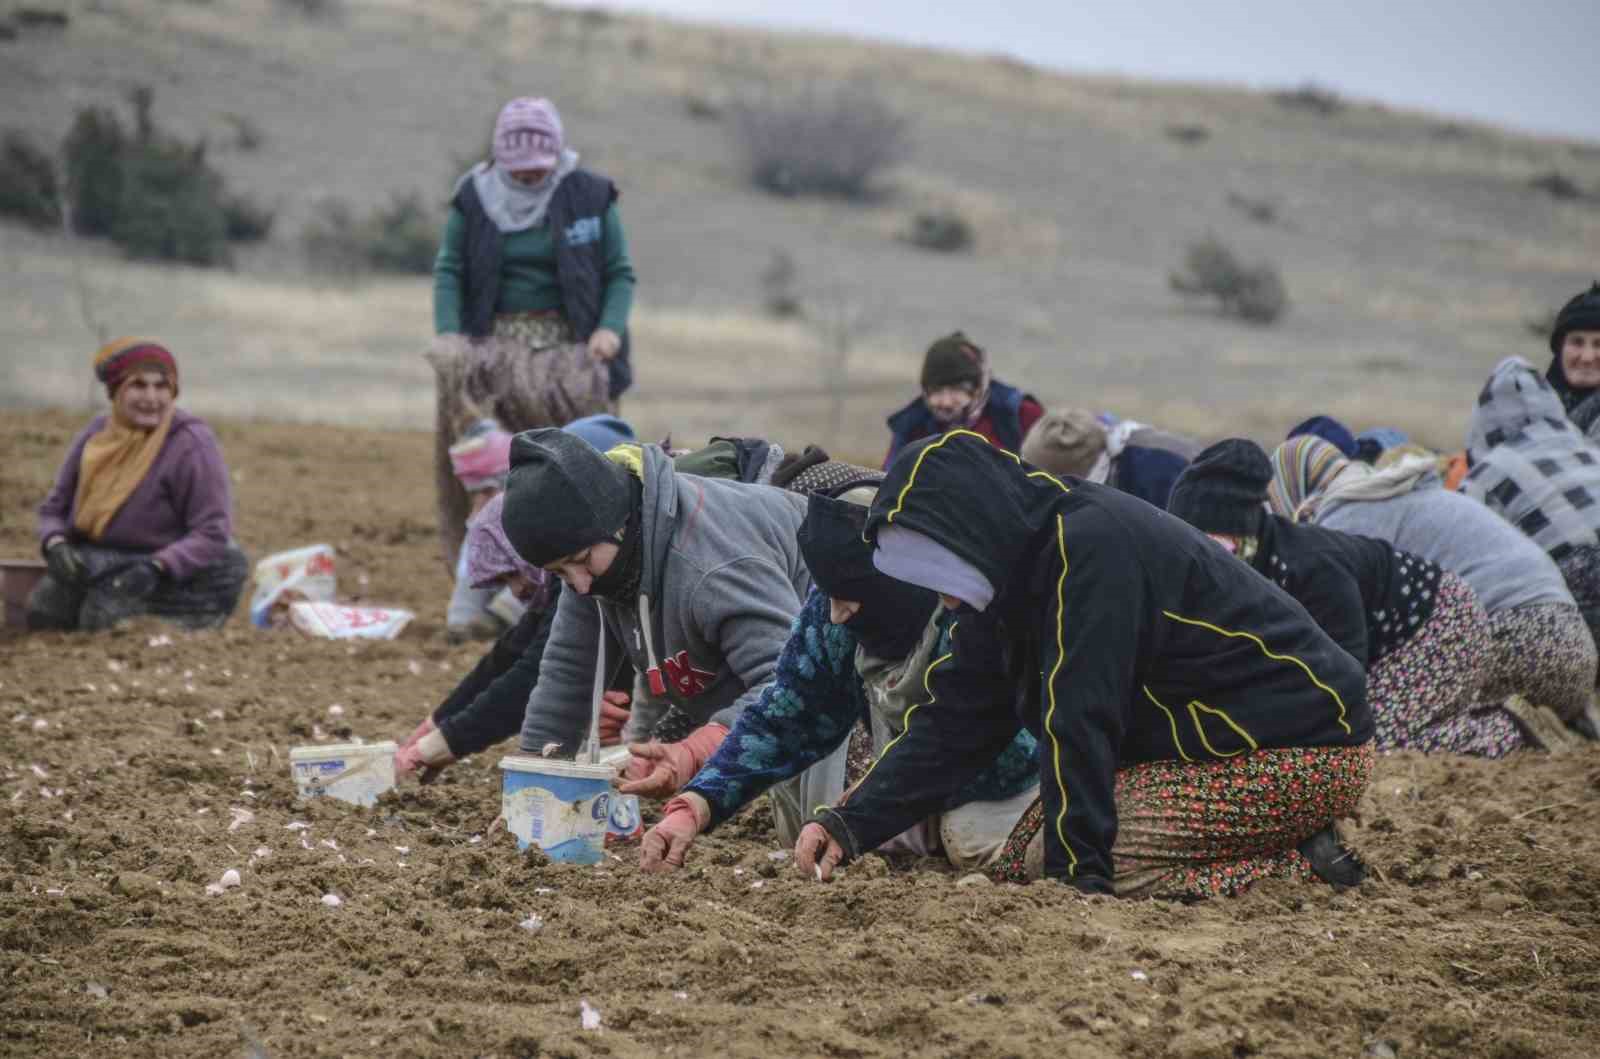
<point>1529,65</point>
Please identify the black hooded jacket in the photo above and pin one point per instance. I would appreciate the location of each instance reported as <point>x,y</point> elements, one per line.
<point>1118,634</point>
<point>1352,586</point>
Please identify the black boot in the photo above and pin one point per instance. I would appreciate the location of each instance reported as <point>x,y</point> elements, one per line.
<point>1333,863</point>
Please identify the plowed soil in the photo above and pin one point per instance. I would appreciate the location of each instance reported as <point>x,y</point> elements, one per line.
<point>137,766</point>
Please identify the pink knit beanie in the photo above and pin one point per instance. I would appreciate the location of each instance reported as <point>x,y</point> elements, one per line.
<point>527,135</point>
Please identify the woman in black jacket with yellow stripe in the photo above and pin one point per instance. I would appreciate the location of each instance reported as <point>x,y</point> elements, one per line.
<point>1417,629</point>
<point>1198,731</point>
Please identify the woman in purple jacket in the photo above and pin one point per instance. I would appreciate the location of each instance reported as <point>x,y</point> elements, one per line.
<point>139,520</point>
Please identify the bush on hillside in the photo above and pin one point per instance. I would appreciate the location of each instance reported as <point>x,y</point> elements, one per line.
<point>402,236</point>
<point>247,220</point>
<point>942,230</point>
<point>821,142</point>
<point>1312,97</point>
<point>171,205</point>
<point>28,189</point>
<point>1189,135</point>
<point>1260,210</point>
<point>154,195</point>
<point>93,151</point>
<point>1558,186</point>
<point>1254,293</point>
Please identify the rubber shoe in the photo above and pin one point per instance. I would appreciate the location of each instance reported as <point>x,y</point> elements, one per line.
<point>1333,863</point>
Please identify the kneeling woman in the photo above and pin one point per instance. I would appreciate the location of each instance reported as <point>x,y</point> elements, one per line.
<point>858,646</point>
<point>1418,629</point>
<point>1197,730</point>
<point>139,519</point>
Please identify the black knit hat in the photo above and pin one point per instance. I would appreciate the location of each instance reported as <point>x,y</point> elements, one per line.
<point>1582,313</point>
<point>951,361</point>
<point>561,496</point>
<point>1223,490</point>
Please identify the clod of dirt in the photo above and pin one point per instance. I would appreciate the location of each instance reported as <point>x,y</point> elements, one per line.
<point>136,885</point>
<point>975,879</point>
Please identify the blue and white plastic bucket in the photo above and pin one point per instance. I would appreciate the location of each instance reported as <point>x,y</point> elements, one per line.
<point>560,806</point>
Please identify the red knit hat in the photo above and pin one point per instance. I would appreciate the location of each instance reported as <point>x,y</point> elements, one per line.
<point>117,360</point>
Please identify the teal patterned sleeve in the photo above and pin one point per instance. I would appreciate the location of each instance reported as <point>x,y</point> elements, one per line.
<point>802,717</point>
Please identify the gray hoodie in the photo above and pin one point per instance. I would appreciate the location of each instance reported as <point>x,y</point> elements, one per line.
<point>721,585</point>
<point>1530,465</point>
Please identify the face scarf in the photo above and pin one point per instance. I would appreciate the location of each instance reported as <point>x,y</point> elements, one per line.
<point>893,613</point>
<point>516,207</point>
<point>118,457</point>
<point>620,583</point>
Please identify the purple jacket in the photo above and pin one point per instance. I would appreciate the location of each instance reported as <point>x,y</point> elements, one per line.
<point>181,512</point>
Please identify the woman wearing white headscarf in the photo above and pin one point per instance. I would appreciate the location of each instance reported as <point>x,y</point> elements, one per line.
<point>532,289</point>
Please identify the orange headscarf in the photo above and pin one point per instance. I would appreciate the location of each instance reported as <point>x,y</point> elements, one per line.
<point>117,457</point>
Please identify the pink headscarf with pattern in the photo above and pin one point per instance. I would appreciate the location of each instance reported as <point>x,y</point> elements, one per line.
<point>490,555</point>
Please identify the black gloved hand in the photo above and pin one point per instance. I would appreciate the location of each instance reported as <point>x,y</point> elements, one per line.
<point>65,564</point>
<point>136,580</point>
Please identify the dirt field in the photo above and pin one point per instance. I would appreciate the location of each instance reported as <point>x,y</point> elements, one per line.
<point>128,757</point>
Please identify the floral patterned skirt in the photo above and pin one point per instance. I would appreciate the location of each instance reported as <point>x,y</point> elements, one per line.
<point>1211,828</point>
<point>1425,694</point>
<point>1544,652</point>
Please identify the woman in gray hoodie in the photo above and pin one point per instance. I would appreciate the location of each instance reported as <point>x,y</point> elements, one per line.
<point>1543,649</point>
<point>696,579</point>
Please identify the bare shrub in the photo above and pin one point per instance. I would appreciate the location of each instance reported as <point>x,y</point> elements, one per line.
<point>700,108</point>
<point>1311,97</point>
<point>312,8</point>
<point>247,220</point>
<point>1189,135</point>
<point>779,283</point>
<point>942,230</point>
<point>1558,186</point>
<point>402,236</point>
<point>1254,293</point>
<point>1260,210</point>
<point>28,186</point>
<point>247,134</point>
<point>832,141</point>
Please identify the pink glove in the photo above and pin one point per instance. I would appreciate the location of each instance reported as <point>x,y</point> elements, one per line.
<point>658,769</point>
<point>664,845</point>
<point>418,732</point>
<point>614,714</point>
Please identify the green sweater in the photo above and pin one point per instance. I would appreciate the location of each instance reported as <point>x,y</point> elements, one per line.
<point>528,274</point>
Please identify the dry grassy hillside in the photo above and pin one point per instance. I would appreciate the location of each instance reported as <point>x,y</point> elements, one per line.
<point>1413,249</point>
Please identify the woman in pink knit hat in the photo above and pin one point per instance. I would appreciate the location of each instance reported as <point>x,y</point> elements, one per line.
<point>532,288</point>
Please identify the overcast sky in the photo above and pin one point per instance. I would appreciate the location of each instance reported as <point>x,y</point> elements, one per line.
<point>1528,64</point>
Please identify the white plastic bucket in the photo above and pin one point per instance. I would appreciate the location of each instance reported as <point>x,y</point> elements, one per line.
<point>351,772</point>
<point>560,806</point>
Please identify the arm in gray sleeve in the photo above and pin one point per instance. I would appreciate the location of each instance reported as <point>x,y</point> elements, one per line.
<point>558,708</point>
<point>746,608</point>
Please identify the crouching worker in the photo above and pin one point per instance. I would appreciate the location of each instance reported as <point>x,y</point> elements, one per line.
<point>1417,629</point>
<point>489,703</point>
<point>695,580</point>
<point>1197,730</point>
<point>140,516</point>
<point>858,649</point>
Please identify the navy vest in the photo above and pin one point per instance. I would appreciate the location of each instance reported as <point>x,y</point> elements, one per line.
<point>577,212</point>
<point>915,421</point>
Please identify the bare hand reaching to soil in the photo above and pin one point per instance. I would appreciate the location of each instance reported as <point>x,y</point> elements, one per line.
<point>816,853</point>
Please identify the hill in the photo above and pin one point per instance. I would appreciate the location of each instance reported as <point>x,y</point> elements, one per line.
<point>1413,247</point>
